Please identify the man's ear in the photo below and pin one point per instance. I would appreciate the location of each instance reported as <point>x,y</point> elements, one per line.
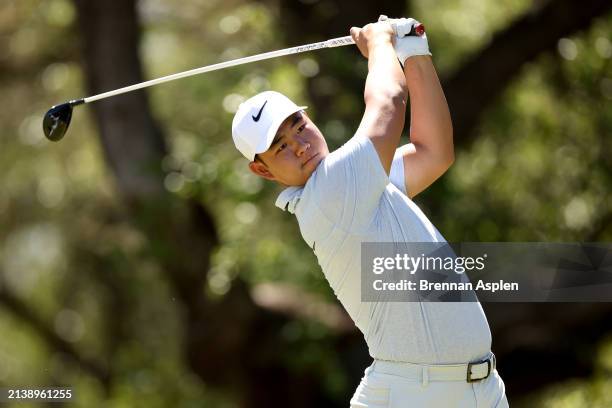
<point>261,170</point>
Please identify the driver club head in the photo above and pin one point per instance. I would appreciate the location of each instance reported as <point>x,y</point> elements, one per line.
<point>56,121</point>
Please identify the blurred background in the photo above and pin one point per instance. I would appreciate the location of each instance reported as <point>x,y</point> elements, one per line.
<point>144,266</point>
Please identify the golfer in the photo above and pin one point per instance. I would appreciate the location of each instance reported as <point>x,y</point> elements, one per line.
<point>426,354</point>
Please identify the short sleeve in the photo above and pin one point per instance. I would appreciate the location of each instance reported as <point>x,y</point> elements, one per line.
<point>349,184</point>
<point>396,175</point>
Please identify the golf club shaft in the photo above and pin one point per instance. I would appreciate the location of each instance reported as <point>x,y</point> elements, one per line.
<point>334,42</point>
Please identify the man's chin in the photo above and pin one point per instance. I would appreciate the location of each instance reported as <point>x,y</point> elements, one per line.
<point>307,171</point>
<point>314,162</point>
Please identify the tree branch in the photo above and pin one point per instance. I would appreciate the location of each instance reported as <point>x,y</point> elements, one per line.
<point>487,74</point>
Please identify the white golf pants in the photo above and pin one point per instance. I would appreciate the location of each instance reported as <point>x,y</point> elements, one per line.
<point>401,385</point>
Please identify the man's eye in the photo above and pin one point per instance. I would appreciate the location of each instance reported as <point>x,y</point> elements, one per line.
<point>281,147</point>
<point>301,128</point>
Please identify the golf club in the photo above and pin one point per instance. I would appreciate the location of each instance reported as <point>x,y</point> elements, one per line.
<point>57,119</point>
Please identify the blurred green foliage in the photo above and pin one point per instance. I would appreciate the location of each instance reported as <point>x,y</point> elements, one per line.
<point>539,170</point>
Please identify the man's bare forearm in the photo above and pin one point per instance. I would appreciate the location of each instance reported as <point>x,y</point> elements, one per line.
<point>385,79</point>
<point>385,96</point>
<point>430,122</point>
<point>385,91</point>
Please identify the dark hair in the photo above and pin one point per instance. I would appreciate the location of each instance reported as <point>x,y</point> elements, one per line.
<point>259,159</point>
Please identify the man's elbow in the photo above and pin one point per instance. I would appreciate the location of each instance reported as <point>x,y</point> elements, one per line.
<point>400,93</point>
<point>392,98</point>
<point>450,157</point>
<point>441,165</point>
<point>447,157</point>
<point>399,98</point>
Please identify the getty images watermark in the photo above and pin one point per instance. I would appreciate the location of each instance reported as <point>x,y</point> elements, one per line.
<point>490,272</point>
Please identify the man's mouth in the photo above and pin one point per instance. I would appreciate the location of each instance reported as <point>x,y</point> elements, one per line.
<point>309,159</point>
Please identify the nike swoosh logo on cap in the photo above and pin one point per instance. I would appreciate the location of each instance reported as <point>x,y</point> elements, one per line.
<point>256,118</point>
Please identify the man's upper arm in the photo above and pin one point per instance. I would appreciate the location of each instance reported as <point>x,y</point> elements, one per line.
<point>421,167</point>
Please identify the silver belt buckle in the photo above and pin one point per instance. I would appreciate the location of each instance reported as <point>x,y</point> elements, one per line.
<point>469,369</point>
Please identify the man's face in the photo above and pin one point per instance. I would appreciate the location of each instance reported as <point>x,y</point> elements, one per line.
<point>295,153</point>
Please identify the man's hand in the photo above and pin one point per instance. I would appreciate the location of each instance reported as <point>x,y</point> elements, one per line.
<point>372,35</point>
<point>407,46</point>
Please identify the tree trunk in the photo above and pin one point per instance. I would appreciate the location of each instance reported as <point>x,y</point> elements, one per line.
<point>233,343</point>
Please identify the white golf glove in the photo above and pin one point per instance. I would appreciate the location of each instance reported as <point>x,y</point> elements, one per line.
<point>407,46</point>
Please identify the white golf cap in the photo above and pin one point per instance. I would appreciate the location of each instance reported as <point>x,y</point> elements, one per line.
<point>258,119</point>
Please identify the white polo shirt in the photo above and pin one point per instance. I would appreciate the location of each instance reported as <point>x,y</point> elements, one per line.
<point>348,200</point>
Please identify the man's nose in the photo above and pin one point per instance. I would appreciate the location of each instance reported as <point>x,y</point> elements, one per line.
<point>301,146</point>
